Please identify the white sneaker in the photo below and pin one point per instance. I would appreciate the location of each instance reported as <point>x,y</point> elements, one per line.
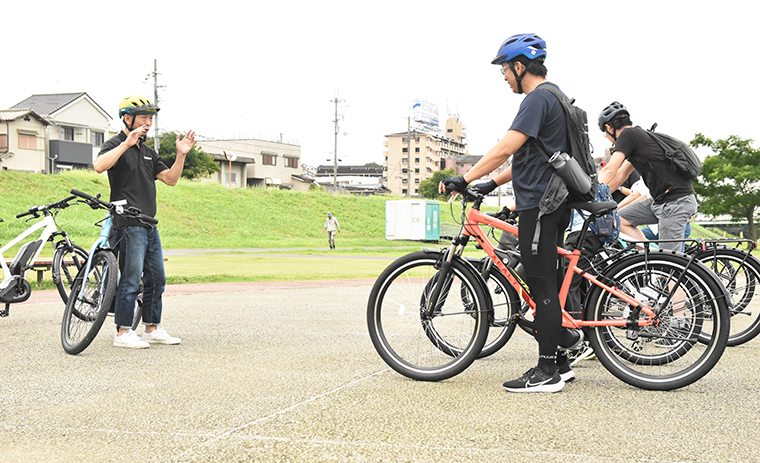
<point>130,340</point>
<point>160,336</point>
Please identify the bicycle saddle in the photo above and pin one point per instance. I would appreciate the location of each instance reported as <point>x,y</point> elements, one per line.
<point>600,208</point>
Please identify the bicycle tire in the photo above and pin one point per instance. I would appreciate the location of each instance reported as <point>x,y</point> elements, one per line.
<point>685,356</point>
<point>505,303</point>
<point>739,271</point>
<point>84,316</point>
<point>420,347</point>
<point>137,317</point>
<point>65,272</point>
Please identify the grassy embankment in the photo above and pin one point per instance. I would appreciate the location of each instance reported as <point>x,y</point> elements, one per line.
<point>196,215</point>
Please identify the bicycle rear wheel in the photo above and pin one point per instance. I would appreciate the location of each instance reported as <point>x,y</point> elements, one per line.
<point>505,303</point>
<point>435,347</point>
<point>691,330</point>
<point>739,272</point>
<point>87,309</point>
<point>67,261</point>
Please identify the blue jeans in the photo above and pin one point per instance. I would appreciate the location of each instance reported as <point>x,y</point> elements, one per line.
<point>140,255</point>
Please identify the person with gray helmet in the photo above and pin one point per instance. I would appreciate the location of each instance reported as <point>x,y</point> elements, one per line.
<point>331,226</point>
<point>671,200</point>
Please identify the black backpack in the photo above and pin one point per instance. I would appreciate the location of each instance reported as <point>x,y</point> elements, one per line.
<point>580,146</point>
<point>682,158</point>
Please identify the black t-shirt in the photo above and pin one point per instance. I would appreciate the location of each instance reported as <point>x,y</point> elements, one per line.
<point>542,118</point>
<point>133,177</point>
<point>664,182</point>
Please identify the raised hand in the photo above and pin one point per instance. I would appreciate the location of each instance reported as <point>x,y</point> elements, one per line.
<point>184,145</point>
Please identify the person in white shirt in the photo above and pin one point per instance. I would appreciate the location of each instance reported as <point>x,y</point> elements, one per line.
<point>331,226</point>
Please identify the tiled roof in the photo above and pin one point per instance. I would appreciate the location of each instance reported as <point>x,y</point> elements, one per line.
<point>13,114</point>
<point>50,103</point>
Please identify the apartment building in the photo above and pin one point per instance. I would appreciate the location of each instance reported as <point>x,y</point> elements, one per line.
<point>414,156</point>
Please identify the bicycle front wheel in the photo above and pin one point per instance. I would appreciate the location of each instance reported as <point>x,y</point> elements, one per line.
<point>428,347</point>
<point>67,261</point>
<point>92,295</point>
<point>690,330</point>
<point>739,272</point>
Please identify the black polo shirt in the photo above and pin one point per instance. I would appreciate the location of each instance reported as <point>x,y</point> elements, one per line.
<point>133,177</point>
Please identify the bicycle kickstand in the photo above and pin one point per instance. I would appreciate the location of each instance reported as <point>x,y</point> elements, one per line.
<point>5,312</point>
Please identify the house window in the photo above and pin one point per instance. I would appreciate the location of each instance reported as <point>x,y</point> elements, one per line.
<point>291,162</point>
<point>268,160</point>
<point>68,133</point>
<point>416,180</point>
<point>227,177</point>
<point>417,160</point>
<point>3,141</point>
<point>27,141</point>
<point>97,138</point>
<point>417,150</point>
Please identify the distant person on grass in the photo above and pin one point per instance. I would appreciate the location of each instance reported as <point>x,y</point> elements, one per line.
<point>331,226</point>
<point>133,168</point>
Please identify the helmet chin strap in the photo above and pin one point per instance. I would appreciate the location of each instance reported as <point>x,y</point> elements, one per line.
<point>518,78</point>
<point>611,134</point>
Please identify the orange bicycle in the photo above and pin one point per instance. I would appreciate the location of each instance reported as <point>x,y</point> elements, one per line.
<point>657,320</point>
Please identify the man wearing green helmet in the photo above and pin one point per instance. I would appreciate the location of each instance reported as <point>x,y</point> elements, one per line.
<point>133,168</point>
<point>540,123</point>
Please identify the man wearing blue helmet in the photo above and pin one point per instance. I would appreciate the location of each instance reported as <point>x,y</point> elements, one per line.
<point>539,124</point>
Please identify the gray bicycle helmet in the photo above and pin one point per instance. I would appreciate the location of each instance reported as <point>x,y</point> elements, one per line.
<point>612,110</point>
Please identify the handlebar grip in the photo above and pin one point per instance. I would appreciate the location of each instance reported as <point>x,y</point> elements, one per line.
<point>24,214</point>
<point>148,219</point>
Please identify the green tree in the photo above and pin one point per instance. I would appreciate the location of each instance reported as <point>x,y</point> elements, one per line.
<point>198,163</point>
<point>429,187</point>
<point>730,179</point>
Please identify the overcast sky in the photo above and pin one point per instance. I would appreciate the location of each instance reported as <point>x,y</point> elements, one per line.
<point>261,69</point>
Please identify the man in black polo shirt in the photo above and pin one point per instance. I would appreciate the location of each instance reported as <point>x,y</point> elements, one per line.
<point>133,168</point>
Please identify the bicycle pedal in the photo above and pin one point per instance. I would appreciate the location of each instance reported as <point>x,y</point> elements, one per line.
<point>632,335</point>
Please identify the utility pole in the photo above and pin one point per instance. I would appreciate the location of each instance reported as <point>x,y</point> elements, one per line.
<point>154,74</point>
<point>409,156</point>
<point>157,142</point>
<point>335,152</point>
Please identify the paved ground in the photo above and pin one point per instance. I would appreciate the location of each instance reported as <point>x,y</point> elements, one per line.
<point>286,372</point>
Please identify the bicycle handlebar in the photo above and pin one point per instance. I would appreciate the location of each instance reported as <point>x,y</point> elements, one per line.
<point>127,211</point>
<point>35,210</point>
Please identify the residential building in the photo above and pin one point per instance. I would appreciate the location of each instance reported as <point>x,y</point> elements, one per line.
<point>77,127</point>
<point>412,157</point>
<point>22,140</point>
<point>258,163</point>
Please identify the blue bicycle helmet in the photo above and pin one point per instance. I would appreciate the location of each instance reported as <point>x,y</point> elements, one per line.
<point>530,46</point>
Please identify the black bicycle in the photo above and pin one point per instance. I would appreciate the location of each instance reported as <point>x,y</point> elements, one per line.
<point>94,290</point>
